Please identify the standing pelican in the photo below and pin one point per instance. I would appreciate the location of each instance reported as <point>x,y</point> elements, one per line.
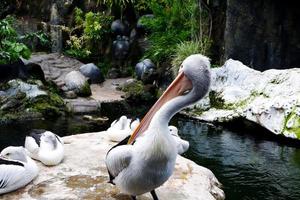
<point>16,169</point>
<point>45,146</point>
<point>150,161</point>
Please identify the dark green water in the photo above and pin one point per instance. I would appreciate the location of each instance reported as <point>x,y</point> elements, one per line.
<point>248,164</point>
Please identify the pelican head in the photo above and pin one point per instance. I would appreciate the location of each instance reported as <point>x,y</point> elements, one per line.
<point>191,84</point>
<point>49,140</point>
<point>14,153</point>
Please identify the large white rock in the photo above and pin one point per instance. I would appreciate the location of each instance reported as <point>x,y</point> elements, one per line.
<point>270,98</point>
<point>83,175</point>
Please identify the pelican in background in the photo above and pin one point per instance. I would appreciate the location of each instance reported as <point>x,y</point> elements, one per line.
<point>150,161</point>
<point>182,145</point>
<point>121,128</point>
<point>45,146</point>
<point>16,169</point>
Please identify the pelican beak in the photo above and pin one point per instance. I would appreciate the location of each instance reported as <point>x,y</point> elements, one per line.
<point>180,85</point>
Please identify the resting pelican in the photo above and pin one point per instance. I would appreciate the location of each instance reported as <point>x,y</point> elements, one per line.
<point>45,146</point>
<point>182,145</point>
<point>150,161</point>
<point>16,169</point>
<point>121,128</point>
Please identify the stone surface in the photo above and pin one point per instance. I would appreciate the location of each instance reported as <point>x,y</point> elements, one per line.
<point>146,71</point>
<point>270,98</point>
<point>30,90</point>
<point>83,175</point>
<point>75,81</point>
<point>262,34</point>
<point>92,72</point>
<point>55,66</point>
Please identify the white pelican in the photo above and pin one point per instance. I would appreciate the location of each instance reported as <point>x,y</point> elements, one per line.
<point>182,145</point>
<point>45,146</point>
<point>16,169</point>
<point>150,161</point>
<point>121,128</point>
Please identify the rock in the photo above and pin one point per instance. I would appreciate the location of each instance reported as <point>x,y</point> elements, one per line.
<point>31,91</point>
<point>75,81</point>
<point>145,71</point>
<point>121,47</point>
<point>269,98</point>
<point>70,95</point>
<point>35,71</point>
<point>55,66</point>
<point>24,101</point>
<point>81,105</point>
<point>85,177</point>
<point>98,120</point>
<point>120,28</point>
<point>13,70</point>
<point>274,47</point>
<point>113,73</point>
<point>92,72</point>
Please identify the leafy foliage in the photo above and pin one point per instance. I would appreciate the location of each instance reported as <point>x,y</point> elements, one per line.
<point>173,22</point>
<point>11,46</point>
<point>85,39</point>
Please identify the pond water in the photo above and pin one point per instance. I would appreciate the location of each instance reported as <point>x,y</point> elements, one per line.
<point>249,165</point>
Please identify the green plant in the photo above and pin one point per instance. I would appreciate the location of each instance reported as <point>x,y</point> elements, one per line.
<point>86,38</point>
<point>174,22</point>
<point>186,48</point>
<point>12,46</point>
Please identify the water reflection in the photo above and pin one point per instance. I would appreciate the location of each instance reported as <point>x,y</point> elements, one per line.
<point>249,167</point>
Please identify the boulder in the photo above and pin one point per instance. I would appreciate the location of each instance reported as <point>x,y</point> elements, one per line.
<point>13,70</point>
<point>121,47</point>
<point>31,90</point>
<point>85,177</point>
<point>119,27</point>
<point>269,98</point>
<point>75,81</point>
<point>92,72</point>
<point>145,71</point>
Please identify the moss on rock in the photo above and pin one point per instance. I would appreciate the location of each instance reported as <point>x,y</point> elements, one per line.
<point>136,91</point>
<point>18,106</point>
<point>85,90</point>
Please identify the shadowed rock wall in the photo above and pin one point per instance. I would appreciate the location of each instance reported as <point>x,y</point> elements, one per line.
<point>263,34</point>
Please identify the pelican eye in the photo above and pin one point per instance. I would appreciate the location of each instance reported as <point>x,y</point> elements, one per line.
<point>186,92</point>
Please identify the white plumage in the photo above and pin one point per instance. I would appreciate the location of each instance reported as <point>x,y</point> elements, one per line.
<point>16,169</point>
<point>121,128</point>
<point>149,162</point>
<point>182,145</point>
<point>45,146</point>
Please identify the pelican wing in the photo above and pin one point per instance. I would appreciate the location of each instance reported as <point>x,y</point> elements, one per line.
<point>10,173</point>
<point>118,158</point>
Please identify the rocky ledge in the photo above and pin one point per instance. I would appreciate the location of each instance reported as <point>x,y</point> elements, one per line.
<point>83,175</point>
<point>270,98</point>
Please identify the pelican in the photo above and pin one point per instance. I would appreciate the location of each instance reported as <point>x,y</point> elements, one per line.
<point>16,169</point>
<point>121,128</point>
<point>142,166</point>
<point>45,146</point>
<point>182,145</point>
